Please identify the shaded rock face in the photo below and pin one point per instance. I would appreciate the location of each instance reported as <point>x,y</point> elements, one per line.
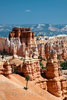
<point>65,98</point>
<point>54,87</point>
<point>64,87</point>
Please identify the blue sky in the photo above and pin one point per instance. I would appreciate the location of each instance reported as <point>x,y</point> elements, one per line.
<point>33,11</point>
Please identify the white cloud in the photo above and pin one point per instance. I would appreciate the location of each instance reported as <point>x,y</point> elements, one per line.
<point>28,10</point>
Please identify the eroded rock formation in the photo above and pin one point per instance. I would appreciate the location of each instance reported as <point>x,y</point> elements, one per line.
<point>5,68</point>
<point>55,82</point>
<point>21,42</point>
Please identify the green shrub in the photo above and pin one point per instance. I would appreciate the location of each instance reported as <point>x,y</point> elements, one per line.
<point>43,67</point>
<point>41,64</point>
<point>64,65</point>
<point>41,58</point>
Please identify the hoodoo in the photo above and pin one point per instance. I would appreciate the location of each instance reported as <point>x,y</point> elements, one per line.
<point>24,53</point>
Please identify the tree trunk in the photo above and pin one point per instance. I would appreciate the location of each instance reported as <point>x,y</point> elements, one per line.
<point>26,84</point>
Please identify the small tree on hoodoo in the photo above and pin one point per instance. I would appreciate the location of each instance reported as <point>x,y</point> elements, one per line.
<point>27,78</point>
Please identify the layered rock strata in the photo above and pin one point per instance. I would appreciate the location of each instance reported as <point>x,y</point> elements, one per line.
<point>5,68</point>
<point>55,81</point>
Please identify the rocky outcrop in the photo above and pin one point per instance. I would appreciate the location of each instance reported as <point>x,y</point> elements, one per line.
<point>5,68</point>
<point>56,84</point>
<point>22,42</point>
<point>54,87</point>
<point>52,73</point>
<point>1,68</point>
<point>63,86</point>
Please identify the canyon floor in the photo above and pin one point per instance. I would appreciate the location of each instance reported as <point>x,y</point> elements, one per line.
<point>12,88</point>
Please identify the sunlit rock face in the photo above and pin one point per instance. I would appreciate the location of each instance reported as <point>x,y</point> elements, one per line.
<point>52,73</point>
<point>52,66</point>
<point>60,45</point>
<point>56,84</point>
<point>25,35</point>
<point>5,68</point>
<point>20,39</point>
<point>21,42</point>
